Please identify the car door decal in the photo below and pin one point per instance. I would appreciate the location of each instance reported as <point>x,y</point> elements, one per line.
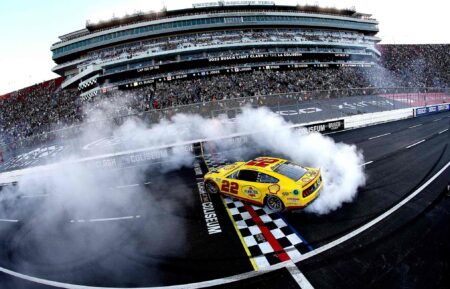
<point>251,192</point>
<point>232,188</point>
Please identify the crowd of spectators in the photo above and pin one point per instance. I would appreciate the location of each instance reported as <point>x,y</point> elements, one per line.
<point>424,65</point>
<point>265,82</point>
<point>36,110</point>
<point>43,107</point>
<point>221,37</point>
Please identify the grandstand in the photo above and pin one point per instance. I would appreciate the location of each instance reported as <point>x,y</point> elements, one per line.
<point>210,39</point>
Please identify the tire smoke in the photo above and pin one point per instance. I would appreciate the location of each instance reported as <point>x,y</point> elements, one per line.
<point>341,164</point>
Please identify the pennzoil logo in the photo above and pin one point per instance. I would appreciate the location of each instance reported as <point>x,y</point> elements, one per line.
<point>250,191</point>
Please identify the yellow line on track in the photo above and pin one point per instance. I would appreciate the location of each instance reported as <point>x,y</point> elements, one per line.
<point>252,261</point>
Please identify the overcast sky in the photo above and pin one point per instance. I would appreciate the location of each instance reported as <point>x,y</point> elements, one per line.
<point>29,27</point>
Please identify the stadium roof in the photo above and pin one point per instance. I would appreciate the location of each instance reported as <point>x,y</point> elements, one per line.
<point>211,7</point>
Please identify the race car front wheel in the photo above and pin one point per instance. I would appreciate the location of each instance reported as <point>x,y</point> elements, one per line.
<point>274,203</point>
<point>211,187</point>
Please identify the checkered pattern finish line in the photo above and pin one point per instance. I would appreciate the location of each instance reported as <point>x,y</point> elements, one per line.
<point>260,248</point>
<point>215,160</point>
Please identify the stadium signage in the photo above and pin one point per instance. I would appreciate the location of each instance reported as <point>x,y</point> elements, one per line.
<point>236,3</point>
<point>299,66</point>
<point>206,4</point>
<point>175,77</point>
<point>231,3</point>
<point>427,110</point>
<point>306,110</point>
<point>129,159</point>
<point>324,127</point>
<point>443,107</point>
<point>148,68</point>
<point>32,158</point>
<point>240,69</point>
<point>133,158</point>
<point>127,85</point>
<point>257,55</point>
<point>356,65</point>
<point>209,213</point>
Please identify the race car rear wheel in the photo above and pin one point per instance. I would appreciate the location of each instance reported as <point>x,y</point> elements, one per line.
<point>274,203</point>
<point>211,187</point>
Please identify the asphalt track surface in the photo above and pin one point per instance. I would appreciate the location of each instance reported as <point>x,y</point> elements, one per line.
<point>160,236</point>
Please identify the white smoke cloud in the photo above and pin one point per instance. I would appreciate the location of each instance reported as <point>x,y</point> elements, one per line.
<point>57,208</point>
<point>340,163</point>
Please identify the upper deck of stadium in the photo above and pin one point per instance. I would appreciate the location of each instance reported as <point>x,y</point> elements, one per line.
<point>207,16</point>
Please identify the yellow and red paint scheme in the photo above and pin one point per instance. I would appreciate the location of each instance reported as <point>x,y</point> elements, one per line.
<point>295,194</point>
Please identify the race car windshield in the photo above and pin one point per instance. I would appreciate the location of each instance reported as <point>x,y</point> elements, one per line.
<point>290,170</point>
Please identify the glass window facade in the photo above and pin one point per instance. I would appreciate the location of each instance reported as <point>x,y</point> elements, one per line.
<point>301,20</point>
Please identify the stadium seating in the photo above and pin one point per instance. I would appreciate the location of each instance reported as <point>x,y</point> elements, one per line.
<point>44,107</point>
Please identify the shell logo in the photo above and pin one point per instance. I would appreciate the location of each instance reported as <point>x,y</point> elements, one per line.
<point>274,189</point>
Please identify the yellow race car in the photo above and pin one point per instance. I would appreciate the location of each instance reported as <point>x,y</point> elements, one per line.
<point>276,183</point>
